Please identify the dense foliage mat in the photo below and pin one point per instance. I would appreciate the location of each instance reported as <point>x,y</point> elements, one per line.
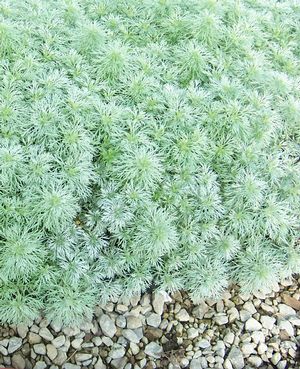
<point>145,143</point>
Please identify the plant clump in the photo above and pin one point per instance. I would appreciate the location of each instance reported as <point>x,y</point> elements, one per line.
<point>145,143</point>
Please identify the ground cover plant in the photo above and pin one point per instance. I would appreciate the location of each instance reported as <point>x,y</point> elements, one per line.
<point>145,143</point>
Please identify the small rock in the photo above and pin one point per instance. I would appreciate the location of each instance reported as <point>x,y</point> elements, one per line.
<point>134,348</point>
<point>131,336</point>
<point>3,351</point>
<point>257,337</point>
<point>249,307</point>
<point>18,361</point>
<point>107,326</point>
<point>40,365</point>
<point>244,315</point>
<point>227,364</point>
<point>77,343</point>
<point>121,321</point>
<point>203,343</point>
<point>229,338</point>
<point>198,363</point>
<point>247,349</point>
<point>287,326</point>
<point>262,348</point>
<point>22,330</point>
<point>14,344</point>
<point>252,325</point>
<point>117,351</point>
<point>183,316</point>
<point>200,310</point>
<point>46,334</point>
<point>4,342</point>
<point>34,338</point>
<point>51,351</point>
<point>70,366</point>
<point>233,314</point>
<point>276,358</point>
<point>267,322</point>
<point>192,333</point>
<point>60,358</point>
<point>282,364</point>
<point>82,357</point>
<point>221,319</point>
<point>119,363</point>
<point>153,349</point>
<point>59,341</point>
<point>255,361</point>
<point>154,320</point>
<point>39,349</point>
<point>153,333</point>
<point>134,322</point>
<point>99,364</point>
<point>236,358</point>
<point>71,331</point>
<point>97,341</point>
<point>286,310</point>
<point>158,301</point>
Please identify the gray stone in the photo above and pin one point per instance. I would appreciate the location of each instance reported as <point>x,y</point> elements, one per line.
<point>3,351</point>
<point>22,330</point>
<point>257,337</point>
<point>221,319</point>
<point>203,343</point>
<point>51,351</point>
<point>153,349</point>
<point>199,363</point>
<point>286,310</point>
<point>267,322</point>
<point>235,356</point>
<point>119,363</point>
<point>249,307</point>
<point>14,344</point>
<point>158,302</point>
<point>200,310</point>
<point>18,361</point>
<point>252,325</point>
<point>99,364</point>
<point>70,366</point>
<point>131,336</point>
<point>121,321</point>
<point>134,322</point>
<point>82,357</point>
<point>244,315</point>
<point>34,338</point>
<point>229,338</point>
<point>40,365</point>
<point>247,349</point>
<point>4,342</point>
<point>77,343</point>
<point>255,361</point>
<point>154,320</point>
<point>276,358</point>
<point>39,349</point>
<point>97,341</point>
<point>117,351</point>
<point>287,326</point>
<point>60,358</point>
<point>59,341</point>
<point>192,333</point>
<point>107,326</point>
<point>183,316</point>
<point>46,334</point>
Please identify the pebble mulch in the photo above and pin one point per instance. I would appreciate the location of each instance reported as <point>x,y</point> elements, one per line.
<point>162,331</point>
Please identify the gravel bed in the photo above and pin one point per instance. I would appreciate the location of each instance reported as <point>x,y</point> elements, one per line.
<point>162,331</point>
